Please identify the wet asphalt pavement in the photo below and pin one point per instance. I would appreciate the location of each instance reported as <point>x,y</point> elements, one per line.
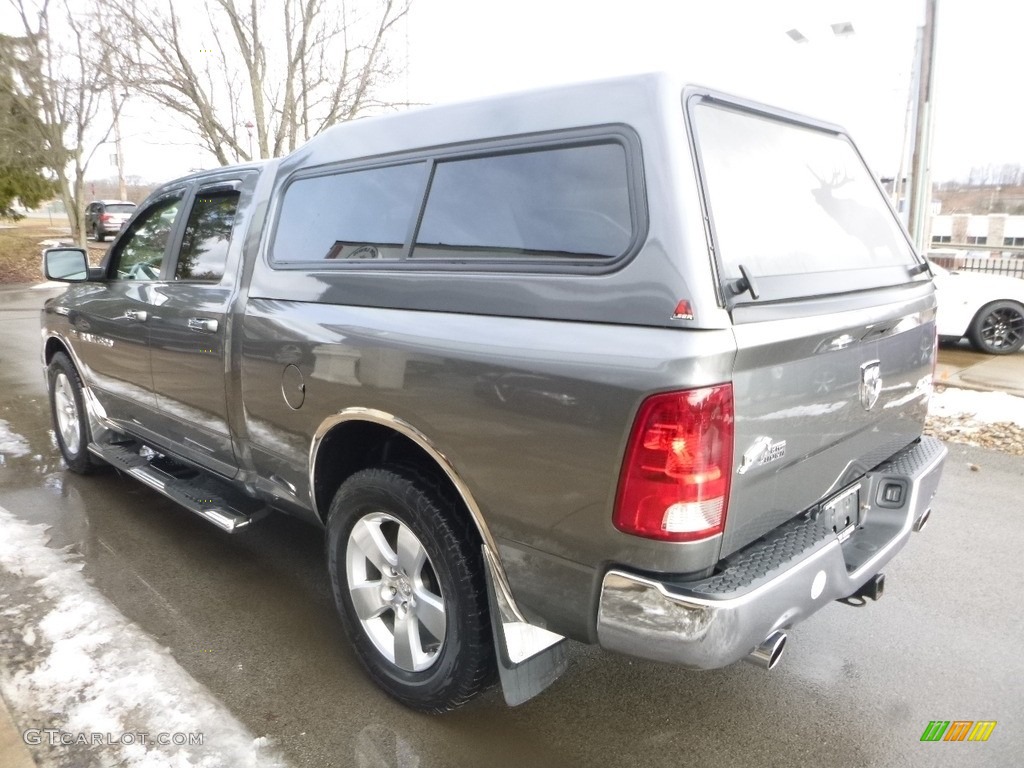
<point>250,616</point>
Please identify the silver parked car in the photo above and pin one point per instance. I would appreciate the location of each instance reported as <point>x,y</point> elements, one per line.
<point>630,363</point>
<point>107,217</point>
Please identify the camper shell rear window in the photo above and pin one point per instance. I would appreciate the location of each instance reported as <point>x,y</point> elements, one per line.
<point>793,207</point>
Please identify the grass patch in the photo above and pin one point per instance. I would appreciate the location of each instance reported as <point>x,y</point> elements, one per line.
<point>21,249</point>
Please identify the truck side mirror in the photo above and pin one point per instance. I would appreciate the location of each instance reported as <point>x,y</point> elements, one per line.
<point>66,263</point>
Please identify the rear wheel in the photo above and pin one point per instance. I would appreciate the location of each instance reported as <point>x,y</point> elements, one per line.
<point>998,328</point>
<point>407,576</point>
<point>70,419</point>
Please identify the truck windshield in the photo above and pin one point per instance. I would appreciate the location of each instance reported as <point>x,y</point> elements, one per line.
<point>796,202</point>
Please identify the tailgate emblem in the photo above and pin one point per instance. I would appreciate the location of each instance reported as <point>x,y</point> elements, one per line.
<point>870,384</point>
<point>762,451</point>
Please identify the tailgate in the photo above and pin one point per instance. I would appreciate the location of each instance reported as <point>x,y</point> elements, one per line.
<point>819,402</point>
<point>833,313</point>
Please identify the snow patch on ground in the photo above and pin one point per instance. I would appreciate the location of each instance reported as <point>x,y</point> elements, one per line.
<point>986,419</point>
<point>72,662</point>
<point>984,407</point>
<point>11,443</point>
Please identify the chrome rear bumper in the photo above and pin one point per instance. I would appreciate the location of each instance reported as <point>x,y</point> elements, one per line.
<point>772,585</point>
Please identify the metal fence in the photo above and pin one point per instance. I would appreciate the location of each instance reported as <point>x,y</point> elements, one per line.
<point>994,266</point>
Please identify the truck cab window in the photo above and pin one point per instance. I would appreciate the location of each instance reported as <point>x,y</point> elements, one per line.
<point>141,252</point>
<point>204,247</point>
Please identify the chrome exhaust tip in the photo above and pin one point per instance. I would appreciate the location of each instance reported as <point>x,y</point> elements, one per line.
<point>768,653</point>
<point>922,521</point>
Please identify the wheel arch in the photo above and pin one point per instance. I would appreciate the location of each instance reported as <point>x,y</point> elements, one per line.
<point>992,302</point>
<point>358,438</point>
<point>99,424</point>
<point>55,344</point>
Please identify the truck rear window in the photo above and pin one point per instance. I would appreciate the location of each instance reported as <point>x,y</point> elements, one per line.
<point>795,202</point>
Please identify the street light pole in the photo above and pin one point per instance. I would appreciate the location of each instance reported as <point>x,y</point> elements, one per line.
<point>248,127</point>
<point>920,167</point>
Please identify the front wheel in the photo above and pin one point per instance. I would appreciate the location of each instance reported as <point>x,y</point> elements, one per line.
<point>407,576</point>
<point>70,419</point>
<point>998,328</point>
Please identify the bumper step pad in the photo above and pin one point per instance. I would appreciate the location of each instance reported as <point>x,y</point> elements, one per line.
<point>763,559</point>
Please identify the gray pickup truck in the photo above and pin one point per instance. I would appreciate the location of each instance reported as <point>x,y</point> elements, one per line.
<point>630,363</point>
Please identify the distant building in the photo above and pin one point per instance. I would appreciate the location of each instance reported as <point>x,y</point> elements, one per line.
<point>992,232</point>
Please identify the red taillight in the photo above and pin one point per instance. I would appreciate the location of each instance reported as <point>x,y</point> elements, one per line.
<point>106,217</point>
<point>675,478</point>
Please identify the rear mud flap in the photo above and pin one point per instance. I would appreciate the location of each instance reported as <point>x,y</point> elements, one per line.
<point>529,658</point>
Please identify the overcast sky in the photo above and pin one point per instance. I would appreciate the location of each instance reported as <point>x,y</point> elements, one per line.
<point>460,49</point>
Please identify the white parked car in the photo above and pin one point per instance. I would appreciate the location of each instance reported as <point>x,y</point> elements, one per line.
<point>987,309</point>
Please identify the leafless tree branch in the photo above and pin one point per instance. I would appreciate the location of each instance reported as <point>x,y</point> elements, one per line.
<point>296,66</point>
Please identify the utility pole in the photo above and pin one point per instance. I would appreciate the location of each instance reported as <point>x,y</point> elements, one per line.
<point>901,187</point>
<point>920,166</point>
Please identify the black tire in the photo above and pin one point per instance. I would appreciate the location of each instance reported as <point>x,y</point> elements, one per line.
<point>998,328</point>
<point>70,419</point>
<point>98,233</point>
<point>449,670</point>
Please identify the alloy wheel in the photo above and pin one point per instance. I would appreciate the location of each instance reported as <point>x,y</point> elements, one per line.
<point>67,413</point>
<point>1002,328</point>
<point>395,592</point>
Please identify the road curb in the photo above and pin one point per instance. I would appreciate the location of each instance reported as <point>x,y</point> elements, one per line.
<point>980,377</point>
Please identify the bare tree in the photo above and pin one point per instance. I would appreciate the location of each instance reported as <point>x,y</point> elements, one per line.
<point>1011,175</point>
<point>63,76</point>
<point>283,70</point>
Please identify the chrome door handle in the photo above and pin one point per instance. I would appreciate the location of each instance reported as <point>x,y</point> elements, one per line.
<point>202,325</point>
<point>136,315</point>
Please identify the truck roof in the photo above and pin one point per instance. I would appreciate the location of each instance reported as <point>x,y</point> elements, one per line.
<point>650,98</point>
<point>626,99</point>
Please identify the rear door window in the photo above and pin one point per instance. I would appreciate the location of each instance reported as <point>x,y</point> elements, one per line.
<point>204,245</point>
<point>796,206</point>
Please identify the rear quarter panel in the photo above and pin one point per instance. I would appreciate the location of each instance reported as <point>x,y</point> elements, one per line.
<point>533,414</point>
